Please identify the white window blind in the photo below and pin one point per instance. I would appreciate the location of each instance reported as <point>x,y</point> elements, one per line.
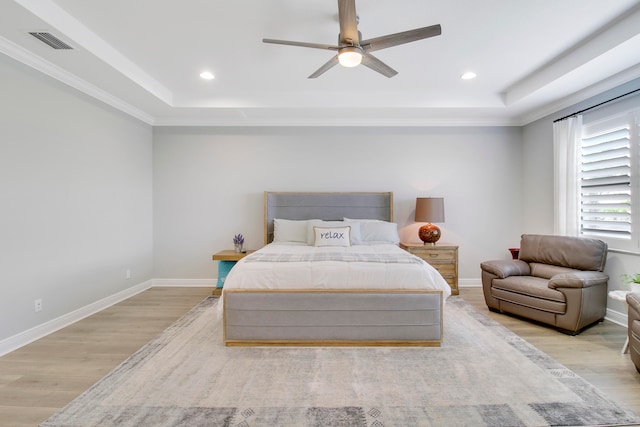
<point>609,198</point>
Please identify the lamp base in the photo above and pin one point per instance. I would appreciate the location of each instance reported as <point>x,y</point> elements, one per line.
<point>429,234</point>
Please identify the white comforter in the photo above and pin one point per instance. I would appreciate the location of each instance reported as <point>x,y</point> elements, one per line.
<point>289,266</point>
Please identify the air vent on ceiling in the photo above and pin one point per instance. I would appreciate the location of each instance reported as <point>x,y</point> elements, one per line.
<point>50,39</point>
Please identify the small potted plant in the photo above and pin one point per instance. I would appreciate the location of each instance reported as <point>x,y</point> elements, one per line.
<point>238,242</point>
<point>633,280</point>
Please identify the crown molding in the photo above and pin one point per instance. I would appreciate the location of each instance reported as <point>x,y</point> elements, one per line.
<point>27,58</point>
<point>599,88</point>
<point>297,118</point>
<point>338,122</point>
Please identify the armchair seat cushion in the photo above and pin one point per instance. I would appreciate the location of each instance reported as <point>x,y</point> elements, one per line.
<point>530,291</point>
<point>557,280</point>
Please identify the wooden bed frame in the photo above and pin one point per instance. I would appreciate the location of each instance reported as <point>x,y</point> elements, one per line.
<point>331,317</point>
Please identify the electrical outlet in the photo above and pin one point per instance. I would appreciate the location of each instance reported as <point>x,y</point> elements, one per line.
<point>37,305</point>
<point>127,274</point>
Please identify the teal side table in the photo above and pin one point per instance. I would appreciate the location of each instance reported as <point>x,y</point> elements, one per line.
<point>226,260</point>
<point>224,267</point>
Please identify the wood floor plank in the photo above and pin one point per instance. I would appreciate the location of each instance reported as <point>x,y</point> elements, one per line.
<point>39,379</point>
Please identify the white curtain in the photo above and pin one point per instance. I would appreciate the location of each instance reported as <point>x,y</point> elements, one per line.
<point>566,160</point>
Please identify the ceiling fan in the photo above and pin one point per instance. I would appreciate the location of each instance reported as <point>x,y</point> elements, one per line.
<point>352,51</point>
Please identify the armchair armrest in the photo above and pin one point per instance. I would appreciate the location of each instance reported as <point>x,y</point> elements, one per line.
<point>579,279</point>
<point>506,268</point>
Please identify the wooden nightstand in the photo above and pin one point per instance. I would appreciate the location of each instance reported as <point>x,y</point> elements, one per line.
<point>443,257</point>
<point>226,260</point>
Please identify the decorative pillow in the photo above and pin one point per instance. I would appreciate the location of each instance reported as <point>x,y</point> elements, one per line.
<point>355,229</point>
<point>332,236</point>
<point>287,230</point>
<point>376,231</point>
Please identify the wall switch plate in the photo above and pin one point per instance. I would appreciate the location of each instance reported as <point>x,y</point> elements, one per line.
<point>127,274</point>
<point>37,305</point>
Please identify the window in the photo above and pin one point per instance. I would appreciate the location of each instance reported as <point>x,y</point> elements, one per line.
<point>609,178</point>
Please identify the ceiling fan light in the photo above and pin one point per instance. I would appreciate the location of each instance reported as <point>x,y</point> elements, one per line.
<point>350,56</point>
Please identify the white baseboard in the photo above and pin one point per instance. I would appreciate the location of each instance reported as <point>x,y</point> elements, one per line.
<point>186,283</point>
<point>30,335</point>
<point>617,317</point>
<point>469,283</point>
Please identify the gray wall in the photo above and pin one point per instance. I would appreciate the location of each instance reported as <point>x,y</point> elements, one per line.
<point>209,184</point>
<point>75,190</point>
<point>537,177</point>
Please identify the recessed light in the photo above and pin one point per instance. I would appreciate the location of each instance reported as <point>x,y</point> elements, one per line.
<point>207,75</point>
<point>468,75</point>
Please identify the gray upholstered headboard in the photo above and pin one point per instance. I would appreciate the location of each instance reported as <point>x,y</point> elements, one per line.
<point>325,206</point>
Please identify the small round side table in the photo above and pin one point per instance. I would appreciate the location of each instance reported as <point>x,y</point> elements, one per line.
<point>621,296</point>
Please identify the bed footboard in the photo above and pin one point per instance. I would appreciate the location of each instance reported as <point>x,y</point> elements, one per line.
<point>330,317</point>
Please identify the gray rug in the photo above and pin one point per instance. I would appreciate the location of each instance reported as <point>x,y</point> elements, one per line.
<point>483,375</point>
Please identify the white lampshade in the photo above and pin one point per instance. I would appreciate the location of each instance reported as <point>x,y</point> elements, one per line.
<point>350,56</point>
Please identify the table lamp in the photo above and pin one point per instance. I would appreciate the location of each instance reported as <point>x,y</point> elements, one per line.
<point>429,210</point>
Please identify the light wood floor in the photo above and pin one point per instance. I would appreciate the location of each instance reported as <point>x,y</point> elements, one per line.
<point>39,379</point>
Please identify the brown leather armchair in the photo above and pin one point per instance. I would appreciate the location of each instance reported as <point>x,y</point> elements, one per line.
<point>557,280</point>
<point>633,300</point>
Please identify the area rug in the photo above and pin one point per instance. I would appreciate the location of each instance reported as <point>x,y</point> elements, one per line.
<point>483,375</point>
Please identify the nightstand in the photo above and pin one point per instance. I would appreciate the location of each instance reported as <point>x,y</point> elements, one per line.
<point>226,260</point>
<point>443,257</point>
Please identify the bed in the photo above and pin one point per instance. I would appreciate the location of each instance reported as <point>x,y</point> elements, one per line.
<point>331,273</point>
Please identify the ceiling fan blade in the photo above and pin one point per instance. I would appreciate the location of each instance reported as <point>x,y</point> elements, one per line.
<point>302,44</point>
<point>383,42</point>
<point>375,64</point>
<point>348,21</point>
<point>327,65</point>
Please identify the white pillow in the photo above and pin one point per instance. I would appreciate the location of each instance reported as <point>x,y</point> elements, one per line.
<point>354,233</point>
<point>374,230</point>
<point>332,236</point>
<point>287,230</point>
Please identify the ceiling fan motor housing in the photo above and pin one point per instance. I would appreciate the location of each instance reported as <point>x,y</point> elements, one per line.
<point>350,56</point>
